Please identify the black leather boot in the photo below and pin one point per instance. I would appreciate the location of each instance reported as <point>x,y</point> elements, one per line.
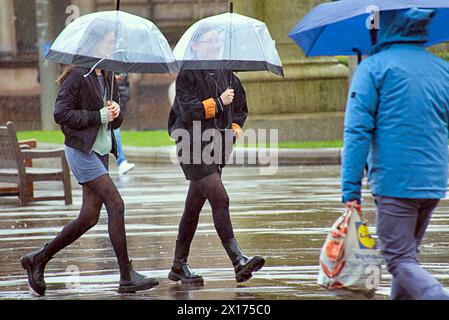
<point>180,271</point>
<point>243,265</point>
<point>34,263</point>
<point>132,281</point>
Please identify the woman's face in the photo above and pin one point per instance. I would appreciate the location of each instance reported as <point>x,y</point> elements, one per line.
<point>208,47</point>
<point>107,46</point>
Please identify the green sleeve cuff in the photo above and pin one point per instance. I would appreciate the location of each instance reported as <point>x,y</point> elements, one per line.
<point>104,115</point>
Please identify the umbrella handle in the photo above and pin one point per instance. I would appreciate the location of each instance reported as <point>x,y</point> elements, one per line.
<point>359,55</point>
<point>373,34</point>
<point>230,116</point>
<point>231,7</point>
<point>112,86</point>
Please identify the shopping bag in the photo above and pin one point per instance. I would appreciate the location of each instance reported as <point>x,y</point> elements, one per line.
<point>350,261</point>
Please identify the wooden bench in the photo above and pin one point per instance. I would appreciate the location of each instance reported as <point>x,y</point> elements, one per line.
<point>24,144</point>
<point>13,169</point>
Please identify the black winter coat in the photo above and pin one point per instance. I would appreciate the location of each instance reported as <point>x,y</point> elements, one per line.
<point>192,88</point>
<point>77,109</point>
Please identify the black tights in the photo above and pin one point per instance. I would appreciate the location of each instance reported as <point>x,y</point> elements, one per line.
<point>95,193</point>
<point>212,189</point>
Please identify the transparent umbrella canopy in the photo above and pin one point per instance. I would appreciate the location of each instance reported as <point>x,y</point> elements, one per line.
<point>228,41</point>
<point>114,41</point>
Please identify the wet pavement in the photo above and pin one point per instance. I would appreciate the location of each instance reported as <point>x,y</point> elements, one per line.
<point>283,217</point>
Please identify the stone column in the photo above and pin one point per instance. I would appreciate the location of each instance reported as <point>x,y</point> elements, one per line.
<point>85,6</point>
<point>7,28</point>
<point>308,104</point>
<point>50,16</point>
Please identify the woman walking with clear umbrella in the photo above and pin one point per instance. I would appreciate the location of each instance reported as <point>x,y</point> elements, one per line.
<point>87,111</point>
<point>211,101</point>
<point>203,99</point>
<point>87,119</point>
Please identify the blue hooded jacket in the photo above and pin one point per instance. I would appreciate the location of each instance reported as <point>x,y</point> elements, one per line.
<point>397,114</point>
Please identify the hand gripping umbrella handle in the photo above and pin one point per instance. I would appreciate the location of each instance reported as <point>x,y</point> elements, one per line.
<point>230,107</point>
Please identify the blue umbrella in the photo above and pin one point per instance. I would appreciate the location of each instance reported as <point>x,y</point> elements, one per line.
<point>340,28</point>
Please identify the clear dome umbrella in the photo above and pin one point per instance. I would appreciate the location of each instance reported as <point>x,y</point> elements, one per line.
<point>114,41</point>
<point>228,41</point>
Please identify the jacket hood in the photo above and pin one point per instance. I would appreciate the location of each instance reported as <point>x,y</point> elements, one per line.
<point>403,26</point>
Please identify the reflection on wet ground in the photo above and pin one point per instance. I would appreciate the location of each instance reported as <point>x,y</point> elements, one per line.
<point>283,217</point>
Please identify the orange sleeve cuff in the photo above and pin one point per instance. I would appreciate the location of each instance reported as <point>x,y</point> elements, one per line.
<point>237,130</point>
<point>209,108</point>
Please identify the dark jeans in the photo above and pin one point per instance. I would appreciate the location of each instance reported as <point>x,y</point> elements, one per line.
<point>401,225</point>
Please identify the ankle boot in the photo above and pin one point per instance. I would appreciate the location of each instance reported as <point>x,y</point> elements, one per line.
<point>132,281</point>
<point>243,265</point>
<point>34,263</point>
<point>180,271</point>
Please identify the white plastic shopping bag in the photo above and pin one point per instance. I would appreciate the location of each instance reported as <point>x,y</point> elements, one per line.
<point>350,260</point>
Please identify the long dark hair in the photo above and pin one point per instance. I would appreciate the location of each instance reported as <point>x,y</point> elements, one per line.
<point>67,69</point>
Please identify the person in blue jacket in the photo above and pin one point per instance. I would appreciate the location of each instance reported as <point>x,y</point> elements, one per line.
<point>396,126</point>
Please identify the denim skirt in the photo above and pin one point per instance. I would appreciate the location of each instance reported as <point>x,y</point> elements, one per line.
<point>86,167</point>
